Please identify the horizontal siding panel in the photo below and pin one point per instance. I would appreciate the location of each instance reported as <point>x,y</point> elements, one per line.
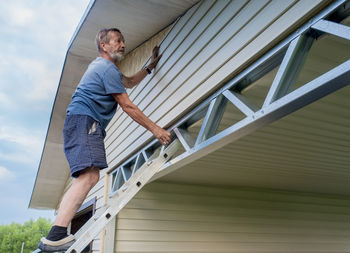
<point>174,236</point>
<point>172,247</point>
<point>225,227</point>
<point>177,218</point>
<point>236,216</point>
<point>233,208</point>
<point>192,83</point>
<point>198,203</point>
<point>192,236</point>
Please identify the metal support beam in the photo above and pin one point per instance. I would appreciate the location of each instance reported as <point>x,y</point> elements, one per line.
<point>290,68</point>
<point>185,138</point>
<point>329,82</point>
<point>212,118</point>
<point>333,28</point>
<point>126,173</point>
<point>241,102</point>
<point>141,159</point>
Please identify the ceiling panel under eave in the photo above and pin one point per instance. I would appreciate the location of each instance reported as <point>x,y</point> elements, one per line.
<point>138,20</point>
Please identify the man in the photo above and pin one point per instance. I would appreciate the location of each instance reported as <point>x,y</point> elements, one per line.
<point>93,105</point>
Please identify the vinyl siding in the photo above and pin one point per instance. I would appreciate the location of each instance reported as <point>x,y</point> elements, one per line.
<point>173,218</point>
<point>210,43</point>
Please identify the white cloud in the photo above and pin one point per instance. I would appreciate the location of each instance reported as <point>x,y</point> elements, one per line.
<point>5,174</point>
<point>20,157</point>
<point>21,16</point>
<point>49,27</point>
<point>15,14</point>
<point>23,145</point>
<point>37,81</point>
<point>22,137</point>
<point>43,78</point>
<point>5,101</point>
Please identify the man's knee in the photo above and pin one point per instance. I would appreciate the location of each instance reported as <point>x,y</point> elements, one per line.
<point>95,176</point>
<point>91,175</point>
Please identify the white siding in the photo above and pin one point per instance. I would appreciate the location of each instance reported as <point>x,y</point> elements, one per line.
<point>210,43</point>
<point>187,218</point>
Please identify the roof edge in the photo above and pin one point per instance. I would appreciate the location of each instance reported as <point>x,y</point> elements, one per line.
<point>80,24</point>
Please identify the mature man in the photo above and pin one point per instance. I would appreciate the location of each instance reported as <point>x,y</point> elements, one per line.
<point>93,105</point>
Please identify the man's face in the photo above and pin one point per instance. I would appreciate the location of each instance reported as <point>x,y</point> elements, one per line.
<point>116,46</point>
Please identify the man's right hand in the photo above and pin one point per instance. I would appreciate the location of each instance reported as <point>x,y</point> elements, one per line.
<point>162,135</point>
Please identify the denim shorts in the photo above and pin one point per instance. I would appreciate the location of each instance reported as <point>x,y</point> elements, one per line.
<point>83,143</point>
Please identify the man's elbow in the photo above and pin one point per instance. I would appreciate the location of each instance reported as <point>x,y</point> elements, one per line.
<point>128,82</point>
<point>128,108</point>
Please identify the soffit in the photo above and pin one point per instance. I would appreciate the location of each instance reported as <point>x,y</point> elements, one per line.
<point>138,20</point>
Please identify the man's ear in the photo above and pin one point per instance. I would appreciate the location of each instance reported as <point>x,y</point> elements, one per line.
<point>102,46</point>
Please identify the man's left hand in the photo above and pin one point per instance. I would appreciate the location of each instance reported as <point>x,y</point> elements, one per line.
<point>155,58</point>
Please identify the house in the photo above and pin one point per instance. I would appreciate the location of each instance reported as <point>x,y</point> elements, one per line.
<point>258,94</point>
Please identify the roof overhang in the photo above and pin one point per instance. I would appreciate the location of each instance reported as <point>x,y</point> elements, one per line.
<point>138,21</point>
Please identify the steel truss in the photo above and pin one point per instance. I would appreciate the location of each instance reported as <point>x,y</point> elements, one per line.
<point>280,100</point>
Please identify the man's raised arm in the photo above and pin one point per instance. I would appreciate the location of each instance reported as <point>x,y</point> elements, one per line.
<point>130,82</point>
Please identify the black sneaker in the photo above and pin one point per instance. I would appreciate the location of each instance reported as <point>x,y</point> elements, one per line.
<point>62,245</point>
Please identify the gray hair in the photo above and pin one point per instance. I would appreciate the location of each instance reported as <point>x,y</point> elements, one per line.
<point>102,36</point>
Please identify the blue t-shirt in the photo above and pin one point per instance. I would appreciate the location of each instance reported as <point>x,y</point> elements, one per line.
<point>93,95</point>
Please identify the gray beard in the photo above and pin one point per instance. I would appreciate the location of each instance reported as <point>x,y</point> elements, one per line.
<point>116,56</point>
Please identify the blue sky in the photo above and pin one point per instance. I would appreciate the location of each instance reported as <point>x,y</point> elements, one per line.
<point>34,37</point>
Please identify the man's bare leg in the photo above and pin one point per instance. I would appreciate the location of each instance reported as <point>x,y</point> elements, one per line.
<point>75,195</point>
<point>57,239</point>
